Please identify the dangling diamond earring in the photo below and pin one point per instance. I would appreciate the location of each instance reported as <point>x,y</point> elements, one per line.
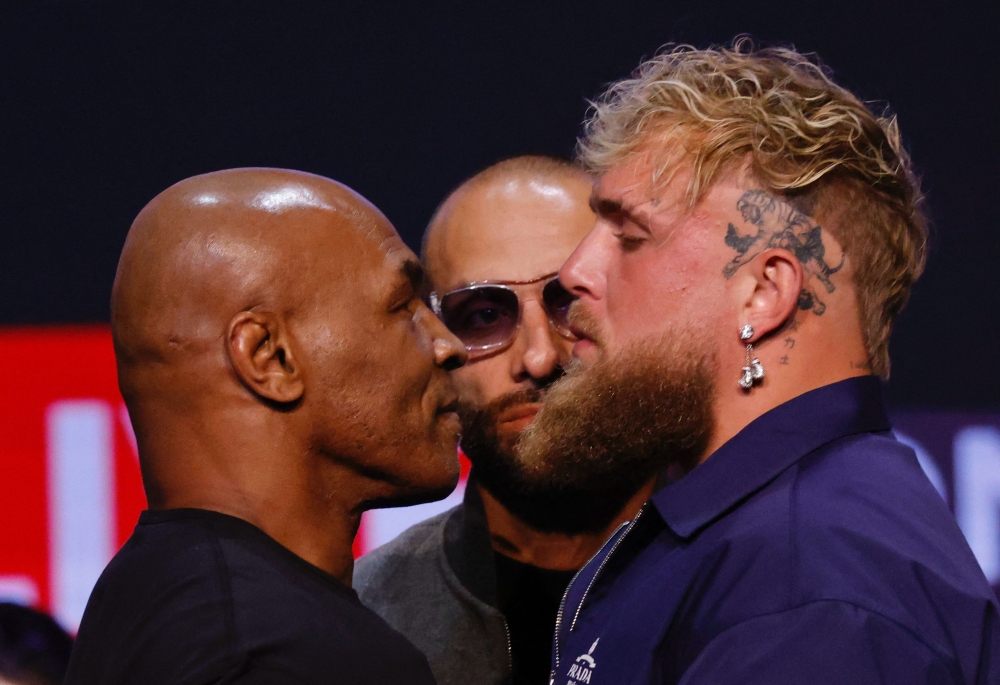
<point>754,370</point>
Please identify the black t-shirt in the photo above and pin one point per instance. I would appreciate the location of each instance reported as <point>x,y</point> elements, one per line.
<point>196,597</point>
<point>529,597</point>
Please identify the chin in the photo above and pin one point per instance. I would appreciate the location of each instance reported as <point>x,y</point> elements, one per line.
<point>435,481</point>
<point>447,477</point>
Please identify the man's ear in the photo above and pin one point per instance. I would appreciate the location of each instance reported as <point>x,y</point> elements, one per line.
<point>773,299</point>
<point>257,344</point>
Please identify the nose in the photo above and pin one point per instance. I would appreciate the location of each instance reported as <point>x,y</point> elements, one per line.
<point>583,274</point>
<point>539,355</point>
<point>449,352</point>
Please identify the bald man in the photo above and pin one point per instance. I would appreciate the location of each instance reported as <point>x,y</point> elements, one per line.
<point>282,375</point>
<point>478,588</point>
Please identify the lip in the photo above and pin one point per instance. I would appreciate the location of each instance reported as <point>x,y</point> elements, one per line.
<point>455,424</point>
<point>449,405</point>
<point>578,333</point>
<point>583,348</point>
<point>520,415</point>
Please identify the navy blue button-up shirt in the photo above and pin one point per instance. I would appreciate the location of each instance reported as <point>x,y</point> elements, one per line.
<point>810,548</point>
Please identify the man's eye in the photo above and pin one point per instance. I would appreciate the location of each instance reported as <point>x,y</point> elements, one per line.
<point>408,307</point>
<point>629,243</point>
<point>482,318</point>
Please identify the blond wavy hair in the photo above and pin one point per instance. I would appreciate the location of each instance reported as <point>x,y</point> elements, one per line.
<point>807,140</point>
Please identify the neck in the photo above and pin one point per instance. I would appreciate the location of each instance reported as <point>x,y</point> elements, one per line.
<point>322,537</point>
<point>795,363</point>
<point>514,538</point>
<point>296,500</point>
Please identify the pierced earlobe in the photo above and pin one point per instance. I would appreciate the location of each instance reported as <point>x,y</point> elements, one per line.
<point>753,370</point>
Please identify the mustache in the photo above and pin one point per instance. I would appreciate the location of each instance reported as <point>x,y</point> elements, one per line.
<point>495,407</point>
<point>607,427</point>
<point>585,322</point>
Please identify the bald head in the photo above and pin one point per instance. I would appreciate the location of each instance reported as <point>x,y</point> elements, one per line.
<point>515,223</point>
<point>508,222</point>
<point>270,338</point>
<point>216,244</point>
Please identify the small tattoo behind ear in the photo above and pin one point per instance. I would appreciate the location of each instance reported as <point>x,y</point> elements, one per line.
<point>809,302</point>
<point>805,300</point>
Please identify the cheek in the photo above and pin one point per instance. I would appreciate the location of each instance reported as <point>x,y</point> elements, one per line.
<point>651,293</point>
<point>393,377</point>
<point>408,371</point>
<point>477,380</point>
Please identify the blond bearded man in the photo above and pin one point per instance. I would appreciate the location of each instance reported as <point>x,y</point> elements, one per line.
<point>758,230</point>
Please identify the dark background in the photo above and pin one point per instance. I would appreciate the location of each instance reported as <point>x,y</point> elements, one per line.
<point>106,104</point>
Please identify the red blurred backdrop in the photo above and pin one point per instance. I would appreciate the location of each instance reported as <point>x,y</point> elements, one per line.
<point>70,487</point>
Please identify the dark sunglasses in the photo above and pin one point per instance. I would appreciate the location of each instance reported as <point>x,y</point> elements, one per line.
<point>486,316</point>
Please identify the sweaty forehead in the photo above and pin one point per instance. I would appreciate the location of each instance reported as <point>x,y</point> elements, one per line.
<point>514,231</point>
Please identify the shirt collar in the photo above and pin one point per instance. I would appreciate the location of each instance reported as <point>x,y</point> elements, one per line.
<point>767,446</point>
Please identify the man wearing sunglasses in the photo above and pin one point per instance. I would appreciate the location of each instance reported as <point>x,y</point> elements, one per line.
<point>478,588</point>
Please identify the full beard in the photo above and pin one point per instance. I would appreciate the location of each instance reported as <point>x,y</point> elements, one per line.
<point>606,430</point>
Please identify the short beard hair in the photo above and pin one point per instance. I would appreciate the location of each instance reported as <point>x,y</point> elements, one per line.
<point>607,429</point>
<point>494,463</point>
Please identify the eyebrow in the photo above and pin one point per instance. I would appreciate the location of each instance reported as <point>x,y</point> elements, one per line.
<point>409,280</point>
<point>414,273</point>
<point>607,207</point>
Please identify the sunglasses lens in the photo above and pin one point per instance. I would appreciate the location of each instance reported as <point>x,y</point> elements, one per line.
<point>557,301</point>
<point>481,317</point>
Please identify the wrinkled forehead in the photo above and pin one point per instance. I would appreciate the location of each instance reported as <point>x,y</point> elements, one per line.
<point>369,250</point>
<point>391,278</point>
<point>336,260</point>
